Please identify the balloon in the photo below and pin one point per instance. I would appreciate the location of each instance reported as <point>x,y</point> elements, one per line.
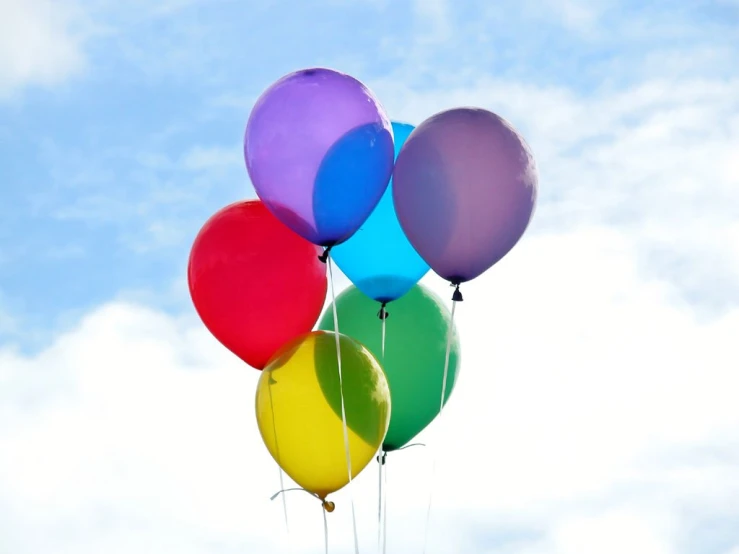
<point>415,351</point>
<point>318,147</point>
<point>255,284</point>
<point>378,258</point>
<point>295,405</point>
<point>465,186</point>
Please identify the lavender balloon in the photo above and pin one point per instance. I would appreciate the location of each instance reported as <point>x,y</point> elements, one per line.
<point>464,186</point>
<point>319,151</point>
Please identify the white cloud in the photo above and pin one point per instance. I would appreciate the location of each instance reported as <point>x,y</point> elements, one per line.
<point>165,8</point>
<point>433,19</point>
<point>582,395</point>
<point>43,42</point>
<point>613,533</point>
<point>656,159</point>
<point>201,158</point>
<point>577,15</point>
<point>38,43</point>
<point>7,323</point>
<point>595,410</point>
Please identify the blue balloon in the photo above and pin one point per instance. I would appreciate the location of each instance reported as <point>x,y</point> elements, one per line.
<point>378,259</point>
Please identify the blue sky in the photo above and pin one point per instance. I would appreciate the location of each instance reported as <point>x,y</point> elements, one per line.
<point>120,134</point>
<point>109,171</point>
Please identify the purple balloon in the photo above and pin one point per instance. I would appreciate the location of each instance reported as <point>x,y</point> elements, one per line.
<point>319,151</point>
<point>464,186</point>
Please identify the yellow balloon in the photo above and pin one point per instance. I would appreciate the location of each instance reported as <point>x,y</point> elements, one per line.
<point>298,406</point>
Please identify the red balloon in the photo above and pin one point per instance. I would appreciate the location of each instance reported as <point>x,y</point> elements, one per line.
<point>255,283</point>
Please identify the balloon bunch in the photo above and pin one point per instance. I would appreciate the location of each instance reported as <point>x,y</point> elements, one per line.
<point>338,182</point>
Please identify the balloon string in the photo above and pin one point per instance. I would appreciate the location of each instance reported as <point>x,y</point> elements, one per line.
<point>383,339</point>
<point>283,491</point>
<point>441,409</point>
<point>381,458</point>
<point>325,530</point>
<point>284,503</point>
<point>409,445</point>
<point>384,514</point>
<point>382,494</point>
<point>343,407</point>
<point>381,463</point>
<point>277,448</point>
<point>382,314</point>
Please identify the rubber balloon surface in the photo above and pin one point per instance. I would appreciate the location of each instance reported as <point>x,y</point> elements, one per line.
<point>465,187</point>
<point>415,351</point>
<point>318,147</point>
<point>295,405</point>
<point>378,259</point>
<point>255,284</point>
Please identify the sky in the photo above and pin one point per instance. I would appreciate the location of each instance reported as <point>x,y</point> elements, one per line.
<point>595,409</point>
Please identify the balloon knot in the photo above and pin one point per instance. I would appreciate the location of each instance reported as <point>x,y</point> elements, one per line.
<point>381,458</point>
<point>457,296</point>
<point>382,314</point>
<point>324,257</point>
<point>329,506</point>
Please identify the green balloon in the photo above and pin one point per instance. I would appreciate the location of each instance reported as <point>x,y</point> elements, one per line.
<point>415,348</point>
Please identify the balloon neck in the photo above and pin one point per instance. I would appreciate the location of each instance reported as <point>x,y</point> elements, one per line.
<point>324,257</point>
<point>457,296</point>
<point>382,314</point>
<point>381,458</point>
<point>328,506</point>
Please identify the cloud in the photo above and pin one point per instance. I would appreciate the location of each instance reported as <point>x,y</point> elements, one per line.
<point>67,252</point>
<point>576,15</point>
<point>45,43</point>
<point>39,44</point>
<point>613,533</point>
<point>152,195</point>
<point>7,323</point>
<point>584,396</point>
<point>656,159</point>
<point>595,410</point>
<point>434,17</point>
<point>201,158</point>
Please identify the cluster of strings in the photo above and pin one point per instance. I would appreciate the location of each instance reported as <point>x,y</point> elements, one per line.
<point>327,506</point>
